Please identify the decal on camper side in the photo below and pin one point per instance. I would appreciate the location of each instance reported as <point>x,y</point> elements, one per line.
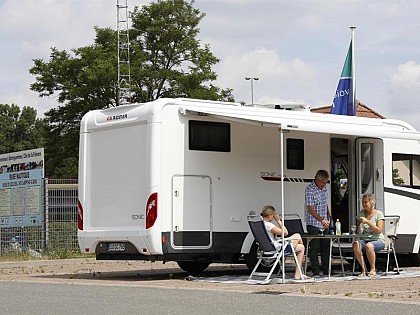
<point>137,217</point>
<point>115,117</point>
<point>275,176</point>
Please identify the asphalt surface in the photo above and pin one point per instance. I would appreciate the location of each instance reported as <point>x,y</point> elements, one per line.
<point>81,286</point>
<point>43,298</point>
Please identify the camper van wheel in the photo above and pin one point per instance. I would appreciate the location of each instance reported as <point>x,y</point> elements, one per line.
<point>251,257</point>
<point>193,266</point>
<point>251,260</point>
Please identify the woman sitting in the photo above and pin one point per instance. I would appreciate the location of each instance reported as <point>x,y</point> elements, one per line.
<point>370,222</point>
<point>269,214</point>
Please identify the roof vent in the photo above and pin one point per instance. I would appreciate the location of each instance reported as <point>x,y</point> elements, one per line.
<point>295,106</point>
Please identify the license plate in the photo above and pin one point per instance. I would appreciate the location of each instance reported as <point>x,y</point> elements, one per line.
<point>116,247</point>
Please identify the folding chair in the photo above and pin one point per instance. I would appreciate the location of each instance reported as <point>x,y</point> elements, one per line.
<point>390,233</point>
<point>268,255</point>
<point>293,222</point>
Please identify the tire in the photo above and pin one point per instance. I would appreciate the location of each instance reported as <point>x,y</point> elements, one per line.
<point>251,260</point>
<point>193,266</point>
<point>251,257</point>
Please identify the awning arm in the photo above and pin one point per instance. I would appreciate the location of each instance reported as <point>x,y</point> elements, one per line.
<point>282,196</point>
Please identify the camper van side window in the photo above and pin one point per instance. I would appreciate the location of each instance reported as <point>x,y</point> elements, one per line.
<point>401,169</point>
<point>295,154</point>
<point>406,170</point>
<point>209,136</point>
<point>415,167</point>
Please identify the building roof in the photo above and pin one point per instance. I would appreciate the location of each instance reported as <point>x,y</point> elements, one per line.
<point>361,111</point>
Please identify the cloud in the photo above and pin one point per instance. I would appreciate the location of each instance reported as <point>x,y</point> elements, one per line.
<point>29,28</point>
<point>296,48</point>
<point>406,77</point>
<point>277,78</point>
<point>65,24</point>
<point>405,92</point>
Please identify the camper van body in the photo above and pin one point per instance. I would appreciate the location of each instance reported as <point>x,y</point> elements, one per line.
<point>175,179</point>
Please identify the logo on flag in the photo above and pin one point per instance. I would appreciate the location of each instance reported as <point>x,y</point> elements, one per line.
<point>344,102</point>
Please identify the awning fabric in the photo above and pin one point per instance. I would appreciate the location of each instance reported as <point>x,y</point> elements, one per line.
<point>307,121</point>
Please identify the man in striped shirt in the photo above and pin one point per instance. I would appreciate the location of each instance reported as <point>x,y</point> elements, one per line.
<point>317,218</point>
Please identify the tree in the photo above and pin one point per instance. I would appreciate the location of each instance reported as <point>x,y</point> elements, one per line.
<point>396,178</point>
<point>83,80</point>
<point>20,130</point>
<point>167,60</point>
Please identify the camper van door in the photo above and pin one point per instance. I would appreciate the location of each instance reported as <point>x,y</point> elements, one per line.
<point>369,173</point>
<point>191,212</point>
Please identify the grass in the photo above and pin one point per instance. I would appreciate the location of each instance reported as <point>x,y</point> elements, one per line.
<point>375,294</point>
<point>56,254</point>
<point>59,243</point>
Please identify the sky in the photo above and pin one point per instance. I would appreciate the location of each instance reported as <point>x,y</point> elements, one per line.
<point>296,48</point>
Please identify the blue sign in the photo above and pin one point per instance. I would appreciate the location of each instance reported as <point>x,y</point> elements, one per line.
<point>21,188</point>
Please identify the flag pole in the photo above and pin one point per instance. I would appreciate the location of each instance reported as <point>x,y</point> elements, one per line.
<point>353,70</point>
<point>344,102</point>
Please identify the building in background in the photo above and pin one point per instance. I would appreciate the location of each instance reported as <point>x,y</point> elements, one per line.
<point>361,111</point>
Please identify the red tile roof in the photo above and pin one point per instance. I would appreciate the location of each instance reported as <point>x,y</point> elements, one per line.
<point>361,111</point>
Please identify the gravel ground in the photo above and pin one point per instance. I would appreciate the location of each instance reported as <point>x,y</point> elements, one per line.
<point>157,274</point>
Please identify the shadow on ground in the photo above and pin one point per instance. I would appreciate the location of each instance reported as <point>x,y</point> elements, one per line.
<point>147,275</point>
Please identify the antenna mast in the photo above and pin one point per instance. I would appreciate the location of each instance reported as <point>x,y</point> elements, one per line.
<point>123,43</point>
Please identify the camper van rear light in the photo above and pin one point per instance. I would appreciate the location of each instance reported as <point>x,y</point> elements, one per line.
<point>79,215</point>
<point>151,210</point>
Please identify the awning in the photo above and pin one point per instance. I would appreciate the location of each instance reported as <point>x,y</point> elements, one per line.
<point>307,121</point>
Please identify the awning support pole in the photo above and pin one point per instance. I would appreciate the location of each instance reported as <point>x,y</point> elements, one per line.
<point>282,197</point>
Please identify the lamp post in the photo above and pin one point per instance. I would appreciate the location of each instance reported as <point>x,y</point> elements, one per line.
<point>252,87</point>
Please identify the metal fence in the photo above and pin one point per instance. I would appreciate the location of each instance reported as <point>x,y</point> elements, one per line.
<point>58,232</point>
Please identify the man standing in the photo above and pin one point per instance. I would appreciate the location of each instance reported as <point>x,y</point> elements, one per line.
<point>317,219</point>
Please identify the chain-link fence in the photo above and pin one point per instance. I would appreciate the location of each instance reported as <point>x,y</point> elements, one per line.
<point>57,235</point>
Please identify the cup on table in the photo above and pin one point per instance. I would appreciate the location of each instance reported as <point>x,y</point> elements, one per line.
<point>353,229</point>
<point>321,231</point>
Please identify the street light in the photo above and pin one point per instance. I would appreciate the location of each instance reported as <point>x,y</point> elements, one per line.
<point>252,87</point>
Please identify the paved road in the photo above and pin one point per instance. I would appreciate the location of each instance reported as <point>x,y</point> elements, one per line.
<point>53,298</point>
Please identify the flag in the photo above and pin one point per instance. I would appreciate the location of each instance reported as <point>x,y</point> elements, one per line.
<point>344,102</point>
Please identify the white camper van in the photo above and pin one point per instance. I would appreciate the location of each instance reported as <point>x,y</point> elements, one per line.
<point>175,179</point>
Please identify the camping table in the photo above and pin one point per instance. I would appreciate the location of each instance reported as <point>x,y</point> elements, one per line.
<point>332,238</point>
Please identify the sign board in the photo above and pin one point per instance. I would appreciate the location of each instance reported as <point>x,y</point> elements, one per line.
<point>21,188</point>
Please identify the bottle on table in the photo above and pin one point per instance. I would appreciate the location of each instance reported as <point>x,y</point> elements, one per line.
<point>338,227</point>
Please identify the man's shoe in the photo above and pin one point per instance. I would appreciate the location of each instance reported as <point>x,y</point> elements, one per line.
<point>315,275</point>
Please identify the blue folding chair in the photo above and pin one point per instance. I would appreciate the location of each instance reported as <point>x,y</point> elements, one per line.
<point>293,222</point>
<point>269,253</point>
